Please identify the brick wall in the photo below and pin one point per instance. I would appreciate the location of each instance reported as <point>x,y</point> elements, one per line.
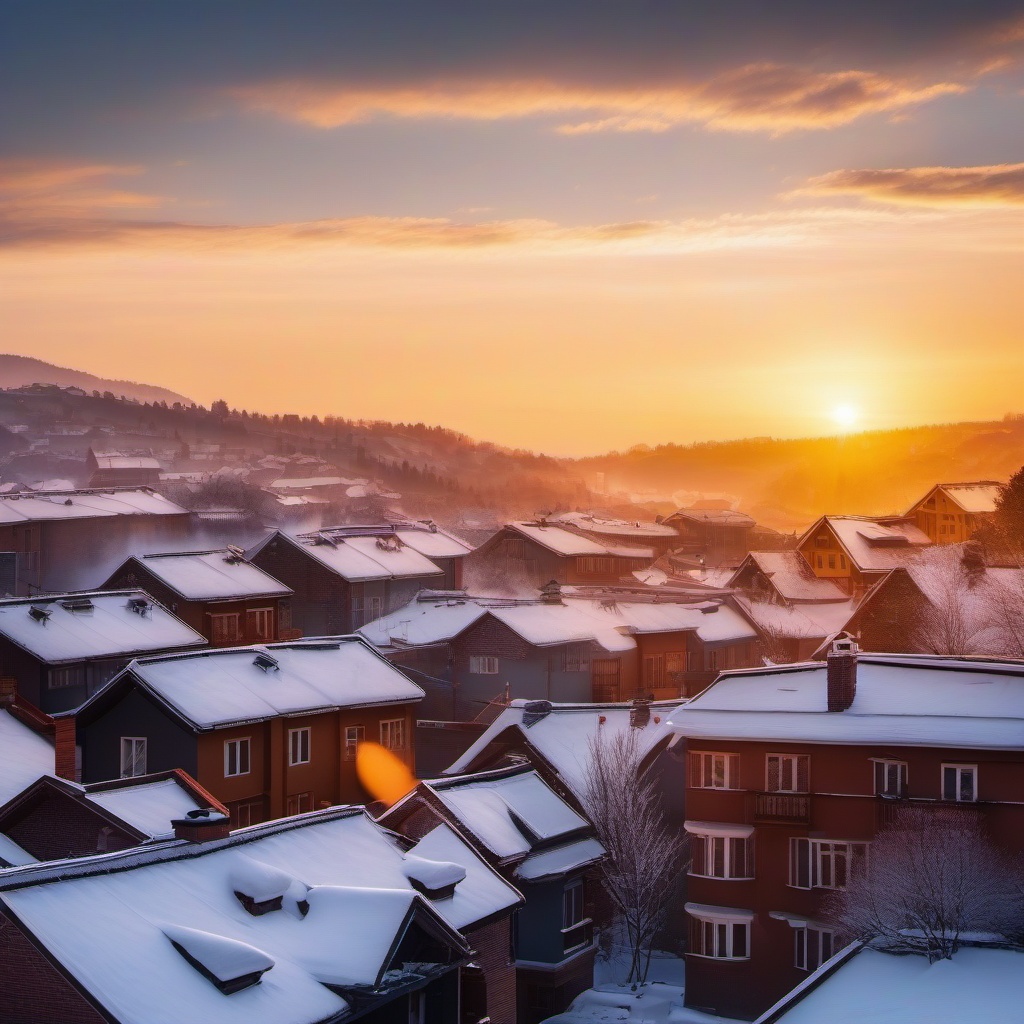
<point>493,946</point>
<point>58,826</point>
<point>490,637</point>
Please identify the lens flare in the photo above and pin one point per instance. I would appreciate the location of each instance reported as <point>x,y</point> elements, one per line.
<point>386,777</point>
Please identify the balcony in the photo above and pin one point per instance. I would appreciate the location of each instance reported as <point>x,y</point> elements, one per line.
<point>782,808</point>
<point>889,809</point>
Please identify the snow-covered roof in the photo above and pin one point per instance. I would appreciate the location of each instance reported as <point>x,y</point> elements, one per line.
<point>716,516</point>
<point>89,504</point>
<point>559,860</point>
<point>563,735</point>
<point>219,575</point>
<point>975,496</point>
<point>804,621</point>
<point>350,873</point>
<point>115,460</point>
<point>149,807</point>
<point>11,854</point>
<point>303,483</point>
<point>875,544</point>
<point>425,621</point>
<point>867,986</point>
<point>432,542</point>
<point>590,523</point>
<point>214,688</point>
<point>567,543</point>
<point>24,756</point>
<point>791,576</point>
<point>905,699</point>
<point>94,624</point>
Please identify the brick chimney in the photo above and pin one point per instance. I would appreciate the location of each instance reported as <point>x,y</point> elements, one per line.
<point>65,757</point>
<point>551,592</point>
<point>841,672</point>
<point>202,825</point>
<point>640,713</point>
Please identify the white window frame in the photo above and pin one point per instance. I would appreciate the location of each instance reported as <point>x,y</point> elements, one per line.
<point>881,767</point>
<point>393,725</point>
<point>484,665</point>
<point>237,746</point>
<point>720,924</point>
<point>263,619</point>
<point>296,743</point>
<point>792,761</point>
<point>131,763</point>
<point>354,735</point>
<point>737,860</point>
<point>959,769</point>
<point>712,766</point>
<point>811,942</point>
<point>822,857</point>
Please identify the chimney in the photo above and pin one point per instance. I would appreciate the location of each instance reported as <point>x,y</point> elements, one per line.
<point>65,755</point>
<point>535,711</point>
<point>640,713</point>
<point>841,673</point>
<point>973,563</point>
<point>8,691</point>
<point>202,825</point>
<point>551,592</point>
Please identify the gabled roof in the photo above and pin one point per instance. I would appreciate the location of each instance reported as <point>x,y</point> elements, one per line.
<point>562,735</point>
<point>352,877</point>
<point>86,504</point>
<point>93,624</point>
<point>790,575</point>
<point>568,543</point>
<point>25,755</point>
<point>873,544</point>
<point>714,516</point>
<point>901,699</point>
<point>214,688</point>
<point>803,621</point>
<point>219,575</point>
<point>115,460</point>
<point>977,496</point>
<point>589,523</point>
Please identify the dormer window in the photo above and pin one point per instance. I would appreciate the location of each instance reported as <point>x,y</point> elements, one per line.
<point>231,965</point>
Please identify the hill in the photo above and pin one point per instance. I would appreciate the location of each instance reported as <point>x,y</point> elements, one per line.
<point>17,371</point>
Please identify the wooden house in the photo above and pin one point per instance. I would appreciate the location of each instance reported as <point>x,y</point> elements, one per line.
<point>951,513</point>
<point>717,536</point>
<point>113,469</point>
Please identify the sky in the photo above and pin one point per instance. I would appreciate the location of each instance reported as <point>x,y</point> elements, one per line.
<point>565,226</point>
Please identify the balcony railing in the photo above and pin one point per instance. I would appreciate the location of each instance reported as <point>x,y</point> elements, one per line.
<point>890,808</point>
<point>782,807</point>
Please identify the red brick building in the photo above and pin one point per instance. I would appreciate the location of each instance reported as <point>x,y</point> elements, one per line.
<point>791,771</point>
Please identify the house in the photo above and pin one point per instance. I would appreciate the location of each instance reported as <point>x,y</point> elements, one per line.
<point>657,535</point>
<point>218,593</point>
<point>543,848</point>
<point>855,552</point>
<point>785,578</point>
<point>796,632</point>
<point>862,985</point>
<point>231,928</point>
<point>62,649</point>
<point>64,540</point>
<point>529,554</point>
<point>564,649</point>
<point>268,730</point>
<point>113,469</point>
<point>719,536</point>
<point>56,818</point>
<point>791,771</point>
<point>951,513</point>
<point>347,575</point>
<point>26,743</point>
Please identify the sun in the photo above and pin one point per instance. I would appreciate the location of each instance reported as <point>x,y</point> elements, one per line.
<point>845,416</point>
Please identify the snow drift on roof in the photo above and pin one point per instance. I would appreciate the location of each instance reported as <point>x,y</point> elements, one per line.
<point>212,575</point>
<point>150,807</point>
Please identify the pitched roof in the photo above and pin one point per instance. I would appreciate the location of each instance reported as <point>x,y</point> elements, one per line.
<point>975,496</point>
<point>218,575</point>
<point>353,877</point>
<point>568,543</point>
<point>86,504</point>
<point>214,688</point>
<point>93,624</point>
<point>791,575</point>
<point>803,621</point>
<point>902,699</point>
<point>589,523</point>
<point>716,516</point>
<point>874,544</point>
<point>25,755</point>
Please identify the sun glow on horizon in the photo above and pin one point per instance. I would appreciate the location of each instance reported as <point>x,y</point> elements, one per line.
<point>845,416</point>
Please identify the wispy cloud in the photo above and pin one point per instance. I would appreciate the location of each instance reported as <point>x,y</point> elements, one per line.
<point>34,189</point>
<point>763,97</point>
<point>998,185</point>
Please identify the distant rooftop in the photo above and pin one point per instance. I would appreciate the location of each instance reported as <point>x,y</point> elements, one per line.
<point>86,504</point>
<point>219,575</point>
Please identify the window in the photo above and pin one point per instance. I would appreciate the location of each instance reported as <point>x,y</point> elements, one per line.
<point>831,561</point>
<point>70,675</point>
<point>133,756</point>
<point>236,757</point>
<point>842,561</point>
<point>590,565</point>
<point>824,864</point>
<point>575,927</point>
<point>392,734</point>
<point>299,803</point>
<point>246,812</point>
<point>418,1007</point>
<point>726,852</point>
<point>298,746</point>
<point>719,932</point>
<point>259,623</point>
<point>819,562</point>
<point>891,778</point>
<point>654,671</point>
<point>374,608</point>
<point>576,658</point>
<point>787,773</point>
<point>960,782</point>
<point>714,771</point>
<point>813,946</point>
<point>225,629</point>
<point>483,665</point>
<point>354,735</point>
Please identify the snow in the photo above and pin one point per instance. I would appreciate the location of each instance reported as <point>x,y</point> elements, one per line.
<point>562,542</point>
<point>212,576</point>
<point>614,527</point>
<point>362,558</point>
<point>978,496</point>
<point>433,543</point>
<point>109,629</point>
<point>24,756</point>
<point>115,461</point>
<point>563,736</point>
<point>150,807</point>
<point>302,483</point>
<point>872,987</point>
<point>424,622</point>
<point>549,624</point>
<point>875,544</point>
<point>792,577</point>
<point>912,700</point>
<point>432,874</point>
<point>226,959</point>
<point>353,870</point>
<point>217,687</point>
<point>259,881</point>
<point>12,854</point>
<point>804,621</point>
<point>85,505</point>
<point>560,860</point>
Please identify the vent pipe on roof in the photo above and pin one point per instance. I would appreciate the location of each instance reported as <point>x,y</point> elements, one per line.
<point>841,674</point>
<point>202,825</point>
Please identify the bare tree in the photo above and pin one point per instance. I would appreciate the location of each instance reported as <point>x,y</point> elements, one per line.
<point>950,623</point>
<point>931,878</point>
<point>645,855</point>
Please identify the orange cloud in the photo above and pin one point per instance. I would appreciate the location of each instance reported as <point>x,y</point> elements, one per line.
<point>999,185</point>
<point>757,97</point>
<point>37,189</point>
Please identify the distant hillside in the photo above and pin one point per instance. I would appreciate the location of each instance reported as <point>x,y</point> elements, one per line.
<point>17,371</point>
